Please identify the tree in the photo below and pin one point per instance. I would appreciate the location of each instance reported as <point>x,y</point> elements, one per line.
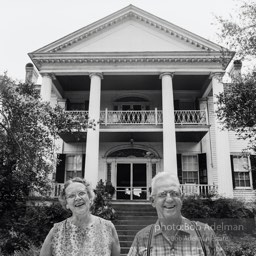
<point>238,32</point>
<point>237,107</point>
<point>28,128</point>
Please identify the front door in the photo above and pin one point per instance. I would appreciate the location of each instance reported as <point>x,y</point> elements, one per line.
<point>131,181</point>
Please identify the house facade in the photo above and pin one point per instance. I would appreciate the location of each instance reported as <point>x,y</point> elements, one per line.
<point>148,88</point>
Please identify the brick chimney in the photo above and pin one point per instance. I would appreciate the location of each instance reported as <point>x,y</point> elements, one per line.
<point>31,74</point>
<point>235,71</point>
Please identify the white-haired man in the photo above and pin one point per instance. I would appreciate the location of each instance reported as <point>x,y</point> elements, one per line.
<point>173,234</point>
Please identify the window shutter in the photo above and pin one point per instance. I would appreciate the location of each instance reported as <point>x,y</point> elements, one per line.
<point>176,104</point>
<point>83,164</point>
<point>253,170</point>
<point>86,105</point>
<point>203,179</point>
<point>232,170</point>
<point>60,169</point>
<point>179,168</point>
<point>67,104</point>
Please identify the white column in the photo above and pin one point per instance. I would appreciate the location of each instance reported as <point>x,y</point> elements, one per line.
<point>206,142</point>
<point>169,137</point>
<point>92,142</point>
<point>225,186</point>
<point>46,88</point>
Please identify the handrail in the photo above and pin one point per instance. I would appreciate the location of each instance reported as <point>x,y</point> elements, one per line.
<point>144,117</point>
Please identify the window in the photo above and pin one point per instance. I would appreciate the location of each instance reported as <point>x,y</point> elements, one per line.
<point>241,171</point>
<point>189,169</point>
<point>73,166</point>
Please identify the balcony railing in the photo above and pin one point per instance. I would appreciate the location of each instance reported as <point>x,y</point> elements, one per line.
<point>152,117</point>
<point>187,189</point>
<point>140,117</point>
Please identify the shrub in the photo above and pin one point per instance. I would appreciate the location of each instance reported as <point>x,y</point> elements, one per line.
<point>196,207</point>
<point>240,246</point>
<point>102,206</point>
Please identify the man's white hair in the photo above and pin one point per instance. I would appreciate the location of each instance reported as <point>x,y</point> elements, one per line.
<point>164,176</point>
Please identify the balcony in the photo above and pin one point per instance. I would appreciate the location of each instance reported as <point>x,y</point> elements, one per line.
<point>187,189</point>
<point>191,125</point>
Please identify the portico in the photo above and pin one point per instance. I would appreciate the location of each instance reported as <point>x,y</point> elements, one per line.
<point>152,99</point>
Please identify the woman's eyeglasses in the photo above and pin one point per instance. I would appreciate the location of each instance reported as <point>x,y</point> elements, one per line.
<point>74,195</point>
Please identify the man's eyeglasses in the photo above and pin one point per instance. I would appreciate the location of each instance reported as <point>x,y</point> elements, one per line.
<point>80,194</point>
<point>171,193</point>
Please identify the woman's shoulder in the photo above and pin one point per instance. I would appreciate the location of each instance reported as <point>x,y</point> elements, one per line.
<point>104,222</point>
<point>59,225</point>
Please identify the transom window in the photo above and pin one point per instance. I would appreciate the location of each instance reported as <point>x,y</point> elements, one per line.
<point>190,169</point>
<point>73,166</point>
<point>241,171</point>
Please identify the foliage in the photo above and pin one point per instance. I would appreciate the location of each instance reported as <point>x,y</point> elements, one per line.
<point>102,206</point>
<point>238,32</point>
<point>109,188</point>
<point>237,108</point>
<point>195,207</point>
<point>28,130</point>
<point>31,228</point>
<point>237,246</point>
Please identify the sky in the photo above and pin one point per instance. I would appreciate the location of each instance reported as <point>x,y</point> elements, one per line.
<point>27,25</point>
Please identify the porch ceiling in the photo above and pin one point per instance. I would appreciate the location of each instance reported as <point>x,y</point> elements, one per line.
<point>133,82</point>
<point>127,136</point>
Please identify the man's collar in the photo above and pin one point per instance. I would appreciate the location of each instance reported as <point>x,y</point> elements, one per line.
<point>186,227</point>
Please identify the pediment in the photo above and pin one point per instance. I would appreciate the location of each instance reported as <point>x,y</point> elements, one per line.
<point>130,30</point>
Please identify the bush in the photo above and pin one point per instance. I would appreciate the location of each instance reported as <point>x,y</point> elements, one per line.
<point>196,207</point>
<point>240,246</point>
<point>102,206</point>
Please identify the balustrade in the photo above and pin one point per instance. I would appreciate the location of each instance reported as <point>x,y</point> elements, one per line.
<point>140,117</point>
<point>187,189</point>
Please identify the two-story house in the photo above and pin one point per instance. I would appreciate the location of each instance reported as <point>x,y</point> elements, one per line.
<point>150,86</point>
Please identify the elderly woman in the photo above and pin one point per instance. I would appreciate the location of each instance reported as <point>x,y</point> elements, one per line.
<point>82,233</point>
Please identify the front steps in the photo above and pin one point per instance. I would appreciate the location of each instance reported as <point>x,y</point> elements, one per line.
<point>132,217</point>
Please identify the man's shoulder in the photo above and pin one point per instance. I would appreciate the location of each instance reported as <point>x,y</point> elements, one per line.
<point>203,226</point>
<point>144,232</point>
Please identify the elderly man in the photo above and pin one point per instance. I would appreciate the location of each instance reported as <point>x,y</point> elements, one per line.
<point>173,234</point>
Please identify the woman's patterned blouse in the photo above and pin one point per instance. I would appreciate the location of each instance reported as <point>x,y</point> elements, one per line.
<point>69,239</point>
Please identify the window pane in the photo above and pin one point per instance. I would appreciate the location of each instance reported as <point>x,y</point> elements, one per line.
<point>242,179</point>
<point>190,169</point>
<point>73,166</point>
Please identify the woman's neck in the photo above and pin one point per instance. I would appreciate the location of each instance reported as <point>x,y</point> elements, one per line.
<point>82,220</point>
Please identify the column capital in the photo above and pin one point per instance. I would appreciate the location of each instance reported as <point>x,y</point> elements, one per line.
<point>217,75</point>
<point>98,74</point>
<point>171,74</point>
<point>46,75</point>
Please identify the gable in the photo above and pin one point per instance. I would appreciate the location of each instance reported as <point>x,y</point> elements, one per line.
<point>128,30</point>
<point>131,37</point>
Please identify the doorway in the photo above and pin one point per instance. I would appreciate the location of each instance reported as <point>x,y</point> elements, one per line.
<point>131,181</point>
